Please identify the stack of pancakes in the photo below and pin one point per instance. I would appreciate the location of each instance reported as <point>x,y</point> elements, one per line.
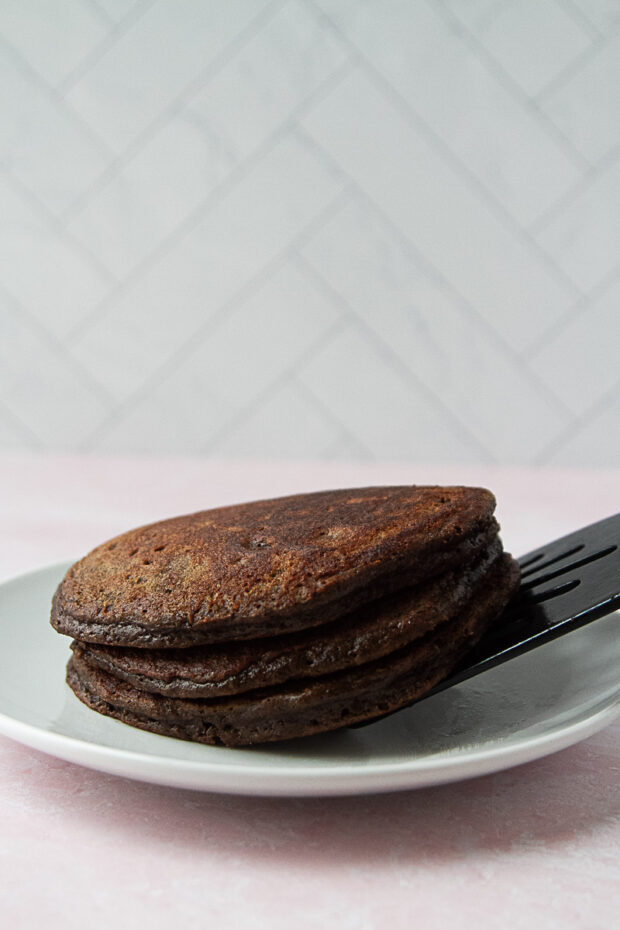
<point>286,617</point>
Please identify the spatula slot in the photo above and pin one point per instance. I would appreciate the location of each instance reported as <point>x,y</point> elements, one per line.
<point>555,592</point>
<point>568,568</point>
<point>557,558</point>
<point>525,563</point>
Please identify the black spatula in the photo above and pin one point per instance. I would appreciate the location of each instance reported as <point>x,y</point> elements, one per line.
<point>564,585</point>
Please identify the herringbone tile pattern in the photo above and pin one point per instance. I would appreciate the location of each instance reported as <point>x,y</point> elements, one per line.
<point>322,228</point>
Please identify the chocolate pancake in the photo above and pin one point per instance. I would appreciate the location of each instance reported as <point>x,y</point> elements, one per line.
<point>269,567</point>
<point>363,635</point>
<point>303,706</point>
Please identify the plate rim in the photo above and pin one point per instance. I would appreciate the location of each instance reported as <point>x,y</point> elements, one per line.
<point>342,779</point>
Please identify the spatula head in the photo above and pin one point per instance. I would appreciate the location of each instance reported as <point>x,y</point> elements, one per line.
<point>564,585</point>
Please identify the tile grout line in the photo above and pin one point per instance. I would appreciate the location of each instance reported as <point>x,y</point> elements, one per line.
<point>27,71</point>
<point>573,68</point>
<point>573,313</point>
<point>582,419</point>
<point>173,238</point>
<point>443,283</point>
<point>494,67</point>
<point>390,356</point>
<point>29,436</point>
<point>426,132</point>
<point>488,18</point>
<point>195,86</point>
<point>307,392</point>
<point>209,135</point>
<point>99,11</point>
<point>579,18</point>
<point>193,341</point>
<point>506,219</point>
<point>117,31</point>
<point>246,410</point>
<point>55,346</point>
<point>505,79</point>
<point>56,226</point>
<point>580,187</point>
<point>201,211</point>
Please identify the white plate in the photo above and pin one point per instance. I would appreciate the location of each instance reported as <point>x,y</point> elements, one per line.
<point>532,706</point>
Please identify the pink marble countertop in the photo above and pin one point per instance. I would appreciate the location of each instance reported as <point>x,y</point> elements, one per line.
<point>537,846</point>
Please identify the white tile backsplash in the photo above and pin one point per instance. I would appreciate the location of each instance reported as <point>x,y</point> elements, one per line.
<point>273,75</point>
<point>54,38</point>
<point>154,60</point>
<point>386,410</point>
<point>312,228</point>
<point>274,426</point>
<point>593,439</point>
<point>581,362</point>
<point>207,266</point>
<point>604,14</point>
<point>117,10</point>
<point>15,434</point>
<point>42,142</point>
<point>584,237</point>
<point>586,105</point>
<point>51,398</point>
<point>272,332</point>
<point>500,140</point>
<point>45,271</point>
<point>455,230</point>
<point>151,195</point>
<point>545,28</point>
<point>427,328</point>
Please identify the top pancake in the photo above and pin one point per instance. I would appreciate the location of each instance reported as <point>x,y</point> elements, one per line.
<point>268,567</point>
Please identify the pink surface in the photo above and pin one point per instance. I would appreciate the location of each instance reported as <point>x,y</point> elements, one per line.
<point>534,847</point>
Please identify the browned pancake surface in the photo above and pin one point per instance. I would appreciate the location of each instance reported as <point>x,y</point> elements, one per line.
<point>305,706</point>
<point>268,566</point>
<point>361,636</point>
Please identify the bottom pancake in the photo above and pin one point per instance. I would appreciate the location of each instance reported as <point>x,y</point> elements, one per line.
<point>302,707</point>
